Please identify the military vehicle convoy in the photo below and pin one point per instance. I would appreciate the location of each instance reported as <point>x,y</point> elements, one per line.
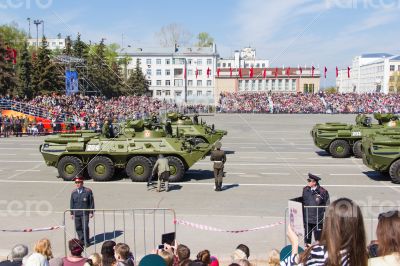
<point>199,132</point>
<point>133,148</point>
<point>381,152</point>
<point>341,140</point>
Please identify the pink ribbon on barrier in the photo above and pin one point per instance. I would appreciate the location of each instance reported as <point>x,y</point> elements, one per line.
<point>29,230</point>
<point>209,228</point>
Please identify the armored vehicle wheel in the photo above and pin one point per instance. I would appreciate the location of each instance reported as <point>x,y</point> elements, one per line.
<point>394,172</point>
<point>101,168</point>
<point>357,149</point>
<point>339,148</point>
<point>138,168</point>
<point>69,167</point>
<point>177,169</point>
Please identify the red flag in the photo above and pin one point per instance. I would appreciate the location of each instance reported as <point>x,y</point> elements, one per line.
<point>208,72</point>
<point>197,72</point>
<point>251,72</point>
<point>218,70</point>
<point>240,72</point>
<point>265,73</point>
<point>276,72</point>
<point>288,71</point>
<point>301,70</point>
<point>312,71</point>
<point>337,72</point>
<point>325,70</point>
<point>230,70</point>
<point>348,72</point>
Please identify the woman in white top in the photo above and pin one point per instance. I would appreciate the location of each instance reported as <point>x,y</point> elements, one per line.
<point>388,234</point>
<point>42,254</point>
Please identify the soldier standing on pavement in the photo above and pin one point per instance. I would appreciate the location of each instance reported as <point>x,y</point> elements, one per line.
<point>219,158</point>
<point>161,167</point>
<point>81,199</point>
<point>314,195</point>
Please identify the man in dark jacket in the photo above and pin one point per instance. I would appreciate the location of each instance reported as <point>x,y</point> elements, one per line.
<point>219,158</point>
<point>81,199</point>
<point>314,195</point>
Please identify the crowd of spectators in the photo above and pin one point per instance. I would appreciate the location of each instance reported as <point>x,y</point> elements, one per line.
<point>343,242</point>
<point>305,103</point>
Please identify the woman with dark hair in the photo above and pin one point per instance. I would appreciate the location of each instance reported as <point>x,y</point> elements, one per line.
<point>388,234</point>
<point>107,253</point>
<point>75,259</point>
<point>343,240</point>
<point>204,256</point>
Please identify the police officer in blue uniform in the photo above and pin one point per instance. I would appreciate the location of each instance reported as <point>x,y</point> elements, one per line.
<point>314,195</point>
<point>82,198</point>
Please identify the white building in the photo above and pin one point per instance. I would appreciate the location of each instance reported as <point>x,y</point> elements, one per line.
<point>54,43</point>
<point>369,73</point>
<point>184,73</point>
<point>244,58</point>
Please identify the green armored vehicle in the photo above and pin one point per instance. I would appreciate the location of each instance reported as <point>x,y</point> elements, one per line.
<point>199,132</point>
<point>134,148</point>
<point>381,152</point>
<point>341,139</point>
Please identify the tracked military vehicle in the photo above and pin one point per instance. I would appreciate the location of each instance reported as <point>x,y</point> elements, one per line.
<point>381,152</point>
<point>199,132</point>
<point>133,148</point>
<point>342,140</point>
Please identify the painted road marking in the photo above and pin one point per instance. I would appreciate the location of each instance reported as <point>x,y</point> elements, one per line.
<point>282,164</point>
<point>195,184</point>
<point>28,170</point>
<point>4,161</point>
<point>348,174</point>
<point>275,173</point>
<point>32,149</point>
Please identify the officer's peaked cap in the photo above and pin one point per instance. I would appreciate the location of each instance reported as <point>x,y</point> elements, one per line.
<point>314,177</point>
<point>78,179</point>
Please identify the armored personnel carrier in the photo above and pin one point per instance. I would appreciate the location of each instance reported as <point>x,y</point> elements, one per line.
<point>199,132</point>
<point>341,140</point>
<point>133,148</point>
<point>381,152</point>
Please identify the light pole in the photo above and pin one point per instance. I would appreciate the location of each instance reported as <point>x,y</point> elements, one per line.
<point>37,23</point>
<point>29,27</point>
<point>42,21</point>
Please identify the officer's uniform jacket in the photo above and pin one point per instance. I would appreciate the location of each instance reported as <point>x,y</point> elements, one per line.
<point>83,200</point>
<point>317,197</point>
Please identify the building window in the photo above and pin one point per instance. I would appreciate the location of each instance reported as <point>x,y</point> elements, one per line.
<point>148,72</point>
<point>178,71</point>
<point>257,65</point>
<point>398,68</point>
<point>158,72</point>
<point>178,82</point>
<point>178,93</point>
<point>260,83</point>
<point>158,61</point>
<point>199,83</point>
<point>190,92</point>
<point>158,82</point>
<point>167,61</point>
<point>209,61</point>
<point>189,61</point>
<point>200,72</point>
<point>208,93</point>
<point>179,61</point>
<point>229,64</point>
<point>148,61</point>
<point>190,83</point>
<point>246,84</point>
<point>60,43</point>
<point>208,83</point>
<point>158,92</point>
<point>219,64</point>
<point>167,72</point>
<point>223,64</point>
<point>190,72</point>
<point>199,93</point>
<point>263,65</point>
<point>167,82</point>
<point>167,93</point>
<point>273,84</point>
<point>286,84</point>
<point>280,84</point>
<point>199,62</point>
<point>253,85</point>
<point>240,84</point>
<point>149,82</point>
<point>293,85</point>
<point>391,67</point>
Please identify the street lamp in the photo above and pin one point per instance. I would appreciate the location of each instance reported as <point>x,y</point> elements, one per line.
<point>42,21</point>
<point>37,23</point>
<point>29,27</point>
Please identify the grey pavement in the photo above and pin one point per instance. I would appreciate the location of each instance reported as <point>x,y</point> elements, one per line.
<point>269,157</point>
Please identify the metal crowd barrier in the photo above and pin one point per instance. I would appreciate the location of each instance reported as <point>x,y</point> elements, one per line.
<point>141,229</point>
<point>370,216</point>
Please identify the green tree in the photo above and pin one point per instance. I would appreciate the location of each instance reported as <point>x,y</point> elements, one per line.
<point>8,80</point>
<point>13,36</point>
<point>68,46</point>
<point>25,72</point>
<point>47,77</point>
<point>330,90</point>
<point>80,48</point>
<point>204,40</point>
<point>137,83</point>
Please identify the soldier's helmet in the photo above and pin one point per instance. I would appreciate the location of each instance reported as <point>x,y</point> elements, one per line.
<point>218,145</point>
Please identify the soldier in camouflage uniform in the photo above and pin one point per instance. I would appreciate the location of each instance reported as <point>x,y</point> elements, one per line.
<point>219,158</point>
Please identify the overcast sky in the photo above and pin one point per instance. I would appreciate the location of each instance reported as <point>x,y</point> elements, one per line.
<point>288,32</point>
